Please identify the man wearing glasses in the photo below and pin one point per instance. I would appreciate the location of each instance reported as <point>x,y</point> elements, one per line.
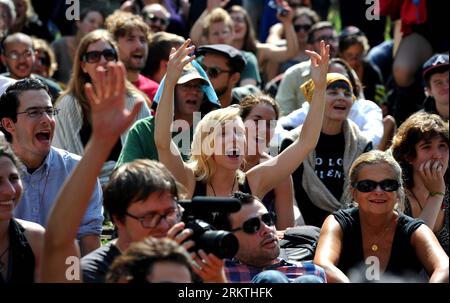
<point>141,198</point>
<point>223,64</point>
<point>27,119</point>
<point>258,258</point>
<point>157,17</point>
<point>18,56</point>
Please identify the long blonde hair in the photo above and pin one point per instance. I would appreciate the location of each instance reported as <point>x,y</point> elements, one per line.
<point>80,78</point>
<point>203,143</point>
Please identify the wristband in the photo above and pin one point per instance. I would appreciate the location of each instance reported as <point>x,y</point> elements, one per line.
<point>436,193</point>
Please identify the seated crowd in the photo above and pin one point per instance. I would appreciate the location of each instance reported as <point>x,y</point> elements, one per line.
<point>217,157</point>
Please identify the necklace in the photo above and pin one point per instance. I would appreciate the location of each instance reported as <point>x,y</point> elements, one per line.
<point>375,246</point>
<point>2,265</point>
<point>415,198</point>
<point>231,191</point>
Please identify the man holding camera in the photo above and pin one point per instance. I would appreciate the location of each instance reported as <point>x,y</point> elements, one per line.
<point>141,200</point>
<point>257,259</point>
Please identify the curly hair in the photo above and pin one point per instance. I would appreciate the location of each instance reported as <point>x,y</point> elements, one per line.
<point>419,126</point>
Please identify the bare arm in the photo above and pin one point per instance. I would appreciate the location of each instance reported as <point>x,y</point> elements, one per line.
<point>273,53</point>
<point>267,175</point>
<point>432,175</point>
<point>431,254</point>
<point>107,104</point>
<point>168,152</point>
<point>197,28</point>
<point>284,204</point>
<point>329,249</point>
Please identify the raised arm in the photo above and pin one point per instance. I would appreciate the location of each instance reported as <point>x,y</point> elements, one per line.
<point>273,53</point>
<point>267,175</point>
<point>107,104</point>
<point>329,249</point>
<point>168,152</point>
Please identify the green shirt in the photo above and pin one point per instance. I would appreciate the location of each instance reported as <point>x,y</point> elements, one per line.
<point>140,142</point>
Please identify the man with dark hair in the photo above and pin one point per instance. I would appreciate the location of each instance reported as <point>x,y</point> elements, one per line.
<point>223,64</point>
<point>18,55</point>
<point>289,96</point>
<point>258,258</point>
<point>27,119</point>
<point>158,54</point>
<point>435,75</point>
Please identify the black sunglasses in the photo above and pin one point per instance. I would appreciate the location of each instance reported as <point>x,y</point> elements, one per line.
<point>253,225</point>
<point>214,72</point>
<point>95,56</point>
<point>154,19</point>
<point>299,27</point>
<point>366,186</point>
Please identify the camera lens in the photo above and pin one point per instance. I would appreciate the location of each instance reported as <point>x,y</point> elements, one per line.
<point>221,243</point>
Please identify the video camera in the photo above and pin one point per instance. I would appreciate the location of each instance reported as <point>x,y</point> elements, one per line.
<point>199,214</point>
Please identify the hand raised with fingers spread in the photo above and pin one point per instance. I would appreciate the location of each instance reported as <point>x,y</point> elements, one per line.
<point>178,59</point>
<point>109,117</point>
<point>319,64</point>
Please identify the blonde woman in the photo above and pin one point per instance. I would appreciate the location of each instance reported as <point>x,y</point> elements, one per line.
<point>219,143</point>
<point>376,237</point>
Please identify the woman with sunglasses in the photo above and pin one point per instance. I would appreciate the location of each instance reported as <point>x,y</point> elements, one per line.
<point>260,114</point>
<point>20,240</point>
<point>374,240</point>
<point>421,148</point>
<point>219,140</point>
<point>319,182</point>
<point>74,123</point>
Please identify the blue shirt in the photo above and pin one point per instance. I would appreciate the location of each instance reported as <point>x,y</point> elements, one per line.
<point>42,187</point>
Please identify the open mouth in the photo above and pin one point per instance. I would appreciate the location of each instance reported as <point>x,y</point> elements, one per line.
<point>233,153</point>
<point>43,136</point>
<point>378,201</point>
<point>7,204</point>
<point>137,56</point>
<point>340,107</point>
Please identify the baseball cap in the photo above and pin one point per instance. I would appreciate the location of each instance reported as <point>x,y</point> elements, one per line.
<point>437,63</point>
<point>234,55</point>
<point>190,73</point>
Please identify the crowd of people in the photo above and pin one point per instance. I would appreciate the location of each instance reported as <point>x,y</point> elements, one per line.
<point>315,152</point>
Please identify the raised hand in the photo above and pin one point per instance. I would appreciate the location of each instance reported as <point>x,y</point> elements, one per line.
<point>178,59</point>
<point>319,64</point>
<point>432,174</point>
<point>109,117</point>
<point>286,19</point>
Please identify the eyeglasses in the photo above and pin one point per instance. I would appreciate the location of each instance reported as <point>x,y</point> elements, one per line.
<point>152,220</point>
<point>16,56</point>
<point>366,186</point>
<point>36,112</point>
<point>299,27</point>
<point>95,56</point>
<point>152,18</point>
<point>239,19</point>
<point>214,72</point>
<point>253,225</point>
